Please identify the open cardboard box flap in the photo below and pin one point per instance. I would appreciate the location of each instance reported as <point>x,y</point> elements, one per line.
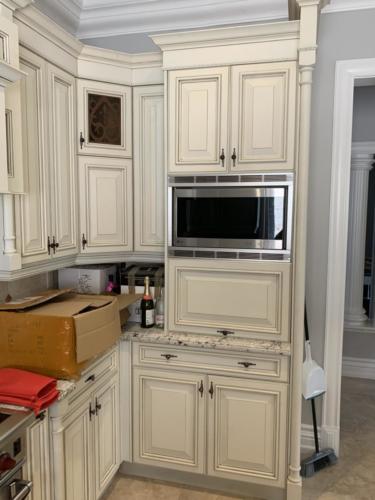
<point>28,302</point>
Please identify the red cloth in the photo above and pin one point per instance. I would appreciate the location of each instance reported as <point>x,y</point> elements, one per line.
<point>23,388</point>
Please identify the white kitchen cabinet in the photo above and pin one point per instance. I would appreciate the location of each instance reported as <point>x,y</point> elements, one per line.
<point>38,460</point>
<point>47,211</point>
<point>246,298</point>
<point>168,416</point>
<point>104,119</point>
<point>149,199</point>
<point>106,434</point>
<point>263,116</point>
<point>198,120</point>
<point>247,430</point>
<point>106,209</point>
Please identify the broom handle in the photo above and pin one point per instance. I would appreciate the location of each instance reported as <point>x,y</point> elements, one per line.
<point>315,426</point>
<point>307,336</point>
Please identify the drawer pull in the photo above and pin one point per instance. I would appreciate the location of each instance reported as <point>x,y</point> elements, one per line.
<point>201,389</point>
<point>225,332</point>
<point>92,412</point>
<point>91,378</point>
<point>246,364</point>
<point>97,406</point>
<point>211,391</point>
<point>168,356</point>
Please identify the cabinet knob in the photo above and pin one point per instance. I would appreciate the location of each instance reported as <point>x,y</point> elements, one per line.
<point>211,390</point>
<point>81,140</point>
<point>201,389</point>
<point>54,244</point>
<point>98,406</point>
<point>168,356</point>
<point>49,246</point>
<point>222,157</point>
<point>92,412</point>
<point>225,332</point>
<point>246,364</point>
<point>84,241</point>
<point>234,157</point>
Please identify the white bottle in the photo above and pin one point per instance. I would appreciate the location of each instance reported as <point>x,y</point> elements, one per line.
<point>159,313</point>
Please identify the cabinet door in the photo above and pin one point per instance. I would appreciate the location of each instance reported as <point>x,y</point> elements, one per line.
<point>104,119</point>
<point>38,460</point>
<point>263,116</point>
<point>78,454</point>
<point>250,299</point>
<point>148,168</point>
<point>198,117</point>
<point>169,420</point>
<point>61,110</point>
<point>106,434</point>
<point>247,430</point>
<point>106,214</point>
<point>32,209</point>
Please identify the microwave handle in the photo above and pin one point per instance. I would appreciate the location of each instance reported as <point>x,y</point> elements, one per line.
<point>17,494</point>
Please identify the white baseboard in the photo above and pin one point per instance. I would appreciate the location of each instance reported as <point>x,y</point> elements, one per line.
<point>358,367</point>
<point>307,437</point>
<point>328,438</point>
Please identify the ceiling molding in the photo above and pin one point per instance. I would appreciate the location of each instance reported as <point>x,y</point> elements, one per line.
<point>121,59</point>
<point>347,5</point>
<point>67,13</point>
<point>16,4</point>
<point>101,18</point>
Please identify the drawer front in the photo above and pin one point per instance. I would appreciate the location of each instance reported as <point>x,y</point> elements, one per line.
<point>273,367</point>
<point>104,367</point>
<point>251,299</point>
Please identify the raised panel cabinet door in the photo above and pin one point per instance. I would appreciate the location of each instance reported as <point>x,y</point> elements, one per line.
<point>38,460</point>
<point>263,116</point>
<point>148,168</point>
<point>169,421</point>
<point>62,122</point>
<point>247,430</point>
<point>106,434</point>
<point>106,211</point>
<point>198,118</point>
<point>77,436</point>
<point>33,207</point>
<point>249,299</point>
<point>104,119</point>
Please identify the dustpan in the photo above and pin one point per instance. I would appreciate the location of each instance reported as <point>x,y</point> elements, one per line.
<point>313,380</point>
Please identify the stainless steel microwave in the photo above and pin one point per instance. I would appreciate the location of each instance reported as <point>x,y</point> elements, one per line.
<point>243,216</point>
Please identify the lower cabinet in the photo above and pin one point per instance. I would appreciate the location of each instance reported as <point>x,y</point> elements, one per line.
<point>243,422</point>
<point>38,460</point>
<point>85,444</point>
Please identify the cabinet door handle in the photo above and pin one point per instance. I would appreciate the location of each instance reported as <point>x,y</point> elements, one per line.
<point>49,246</point>
<point>168,356</point>
<point>98,406</point>
<point>225,332</point>
<point>222,157</point>
<point>91,378</point>
<point>211,390</point>
<point>201,389</point>
<point>54,244</point>
<point>234,157</point>
<point>92,412</point>
<point>84,241</point>
<point>81,140</point>
<point>246,364</point>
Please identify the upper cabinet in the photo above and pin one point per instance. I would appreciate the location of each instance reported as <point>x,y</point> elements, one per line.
<point>198,120</point>
<point>263,116</point>
<point>247,125</point>
<point>104,119</point>
<point>148,162</point>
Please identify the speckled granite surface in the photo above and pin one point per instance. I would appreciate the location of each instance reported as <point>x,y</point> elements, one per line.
<point>133,332</point>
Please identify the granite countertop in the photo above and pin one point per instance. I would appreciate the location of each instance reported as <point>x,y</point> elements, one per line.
<point>133,332</point>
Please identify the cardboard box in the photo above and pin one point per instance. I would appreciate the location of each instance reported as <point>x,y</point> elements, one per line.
<point>57,333</point>
<point>86,279</point>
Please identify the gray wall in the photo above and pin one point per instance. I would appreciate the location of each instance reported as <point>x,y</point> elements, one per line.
<point>344,35</point>
<point>364,114</point>
<point>27,286</point>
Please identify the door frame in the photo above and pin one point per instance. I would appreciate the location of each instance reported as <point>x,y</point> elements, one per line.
<point>347,72</point>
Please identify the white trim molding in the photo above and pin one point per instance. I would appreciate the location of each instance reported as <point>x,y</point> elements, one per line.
<point>347,5</point>
<point>358,367</point>
<point>347,72</point>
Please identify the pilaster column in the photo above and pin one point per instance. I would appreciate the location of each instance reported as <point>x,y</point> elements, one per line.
<point>362,161</point>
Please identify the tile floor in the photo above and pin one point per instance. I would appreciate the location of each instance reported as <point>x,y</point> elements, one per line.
<point>353,478</point>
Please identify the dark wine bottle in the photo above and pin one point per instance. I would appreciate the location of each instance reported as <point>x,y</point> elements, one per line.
<point>147,307</point>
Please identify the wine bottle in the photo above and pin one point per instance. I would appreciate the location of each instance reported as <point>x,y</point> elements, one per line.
<point>147,307</point>
<point>159,316</point>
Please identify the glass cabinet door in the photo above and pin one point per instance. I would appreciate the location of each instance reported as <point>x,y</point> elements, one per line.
<point>104,119</point>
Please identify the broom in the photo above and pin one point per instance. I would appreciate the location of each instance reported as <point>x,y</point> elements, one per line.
<point>314,385</point>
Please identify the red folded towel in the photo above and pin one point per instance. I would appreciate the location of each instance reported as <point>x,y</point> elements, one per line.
<point>23,388</point>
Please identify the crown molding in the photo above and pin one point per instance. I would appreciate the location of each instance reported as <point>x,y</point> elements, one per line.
<point>66,12</point>
<point>16,4</point>
<point>348,5</point>
<point>101,18</point>
<point>120,59</point>
<point>228,35</point>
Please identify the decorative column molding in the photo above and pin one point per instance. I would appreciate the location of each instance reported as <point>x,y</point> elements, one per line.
<point>307,58</point>
<point>362,160</point>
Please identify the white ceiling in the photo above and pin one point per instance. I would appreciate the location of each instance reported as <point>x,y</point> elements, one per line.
<point>111,19</point>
